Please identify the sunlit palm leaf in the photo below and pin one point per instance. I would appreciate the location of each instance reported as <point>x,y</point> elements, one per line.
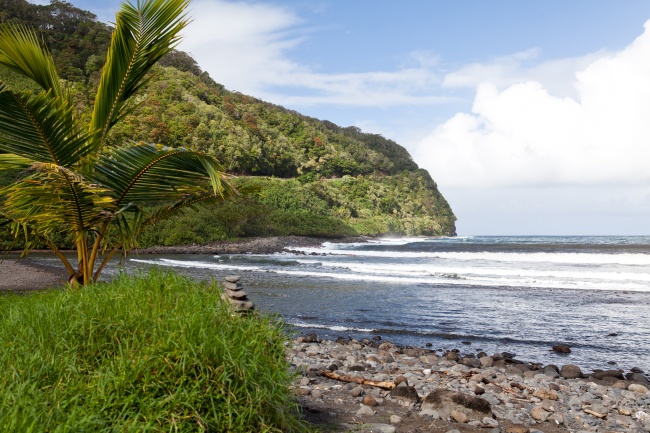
<point>145,172</point>
<point>14,162</point>
<point>52,197</point>
<point>21,52</point>
<point>142,36</point>
<point>40,128</point>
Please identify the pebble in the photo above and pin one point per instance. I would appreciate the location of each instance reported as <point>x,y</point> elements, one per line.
<point>522,397</point>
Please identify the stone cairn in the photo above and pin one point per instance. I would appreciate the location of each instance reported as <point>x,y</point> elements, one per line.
<point>235,295</point>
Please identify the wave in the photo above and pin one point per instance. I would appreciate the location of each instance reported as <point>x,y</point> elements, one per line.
<point>432,279</point>
<point>197,264</point>
<point>337,328</point>
<point>568,258</point>
<point>428,270</point>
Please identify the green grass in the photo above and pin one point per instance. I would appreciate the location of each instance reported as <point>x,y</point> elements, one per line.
<point>151,353</point>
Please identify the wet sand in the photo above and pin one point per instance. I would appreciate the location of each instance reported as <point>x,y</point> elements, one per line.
<point>23,274</point>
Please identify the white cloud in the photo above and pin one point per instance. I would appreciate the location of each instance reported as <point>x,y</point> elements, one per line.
<point>246,47</point>
<point>593,128</point>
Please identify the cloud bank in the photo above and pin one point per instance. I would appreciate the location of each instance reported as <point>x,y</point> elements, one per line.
<point>575,122</point>
<point>246,47</point>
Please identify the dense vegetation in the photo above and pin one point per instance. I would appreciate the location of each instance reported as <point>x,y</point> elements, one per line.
<point>343,181</point>
<point>151,353</point>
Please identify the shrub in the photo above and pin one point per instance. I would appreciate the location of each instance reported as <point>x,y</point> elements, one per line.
<point>150,353</point>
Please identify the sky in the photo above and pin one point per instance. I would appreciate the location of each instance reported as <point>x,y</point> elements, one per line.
<point>532,117</point>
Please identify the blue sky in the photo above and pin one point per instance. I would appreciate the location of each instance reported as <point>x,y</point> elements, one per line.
<point>532,117</point>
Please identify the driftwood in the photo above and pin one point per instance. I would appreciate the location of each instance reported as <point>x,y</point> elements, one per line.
<point>594,413</point>
<point>359,380</point>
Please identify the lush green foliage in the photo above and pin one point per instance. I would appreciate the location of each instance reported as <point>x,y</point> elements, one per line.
<point>75,38</point>
<point>183,106</point>
<point>72,184</point>
<point>152,353</point>
<point>372,205</point>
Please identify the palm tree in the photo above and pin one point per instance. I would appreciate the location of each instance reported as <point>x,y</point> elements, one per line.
<point>71,182</point>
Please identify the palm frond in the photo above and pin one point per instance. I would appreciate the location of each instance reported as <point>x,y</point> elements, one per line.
<point>40,128</point>
<point>142,36</point>
<point>14,162</point>
<point>21,51</point>
<point>53,197</point>
<point>144,172</point>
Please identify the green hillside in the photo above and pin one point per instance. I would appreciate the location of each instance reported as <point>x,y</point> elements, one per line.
<point>312,176</point>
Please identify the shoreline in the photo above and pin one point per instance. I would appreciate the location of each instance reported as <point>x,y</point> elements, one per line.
<point>339,406</point>
<point>21,275</point>
<point>254,245</point>
<point>378,386</point>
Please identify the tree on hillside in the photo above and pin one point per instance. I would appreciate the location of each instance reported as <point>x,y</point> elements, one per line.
<point>72,183</point>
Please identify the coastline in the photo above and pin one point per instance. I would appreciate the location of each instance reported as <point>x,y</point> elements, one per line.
<point>254,245</point>
<point>24,274</point>
<point>412,389</point>
<point>338,405</point>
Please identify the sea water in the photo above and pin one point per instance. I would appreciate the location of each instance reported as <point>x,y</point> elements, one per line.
<point>516,294</point>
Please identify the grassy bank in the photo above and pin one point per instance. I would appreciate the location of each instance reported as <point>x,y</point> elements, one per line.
<point>156,352</point>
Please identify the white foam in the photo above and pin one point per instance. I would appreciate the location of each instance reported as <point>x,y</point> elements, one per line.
<point>426,270</point>
<point>569,258</point>
<point>196,264</point>
<point>337,328</point>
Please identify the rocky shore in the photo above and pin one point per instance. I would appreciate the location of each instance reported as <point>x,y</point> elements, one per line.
<point>260,245</point>
<point>374,386</point>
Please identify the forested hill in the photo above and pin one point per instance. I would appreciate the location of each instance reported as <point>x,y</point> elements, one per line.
<point>316,178</point>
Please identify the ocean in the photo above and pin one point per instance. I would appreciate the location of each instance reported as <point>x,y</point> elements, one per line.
<point>518,294</point>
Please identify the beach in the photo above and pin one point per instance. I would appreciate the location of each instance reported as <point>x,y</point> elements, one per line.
<point>522,393</point>
<point>25,275</point>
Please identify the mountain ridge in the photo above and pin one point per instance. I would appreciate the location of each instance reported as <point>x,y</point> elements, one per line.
<point>316,178</point>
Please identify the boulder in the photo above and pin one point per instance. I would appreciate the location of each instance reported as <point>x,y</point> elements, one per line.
<point>486,361</point>
<point>601,375</point>
<point>638,377</point>
<point>570,371</point>
<point>561,348</point>
<point>471,362</point>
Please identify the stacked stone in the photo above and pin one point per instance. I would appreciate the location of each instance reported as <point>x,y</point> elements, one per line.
<point>235,295</point>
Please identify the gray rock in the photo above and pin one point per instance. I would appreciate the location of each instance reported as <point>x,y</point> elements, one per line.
<point>491,422</point>
<point>357,391</point>
<point>570,371</point>
<point>395,419</point>
<point>365,411</point>
<point>601,375</point>
<point>486,361</point>
<point>471,362</point>
<point>638,377</point>
<point>232,278</point>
